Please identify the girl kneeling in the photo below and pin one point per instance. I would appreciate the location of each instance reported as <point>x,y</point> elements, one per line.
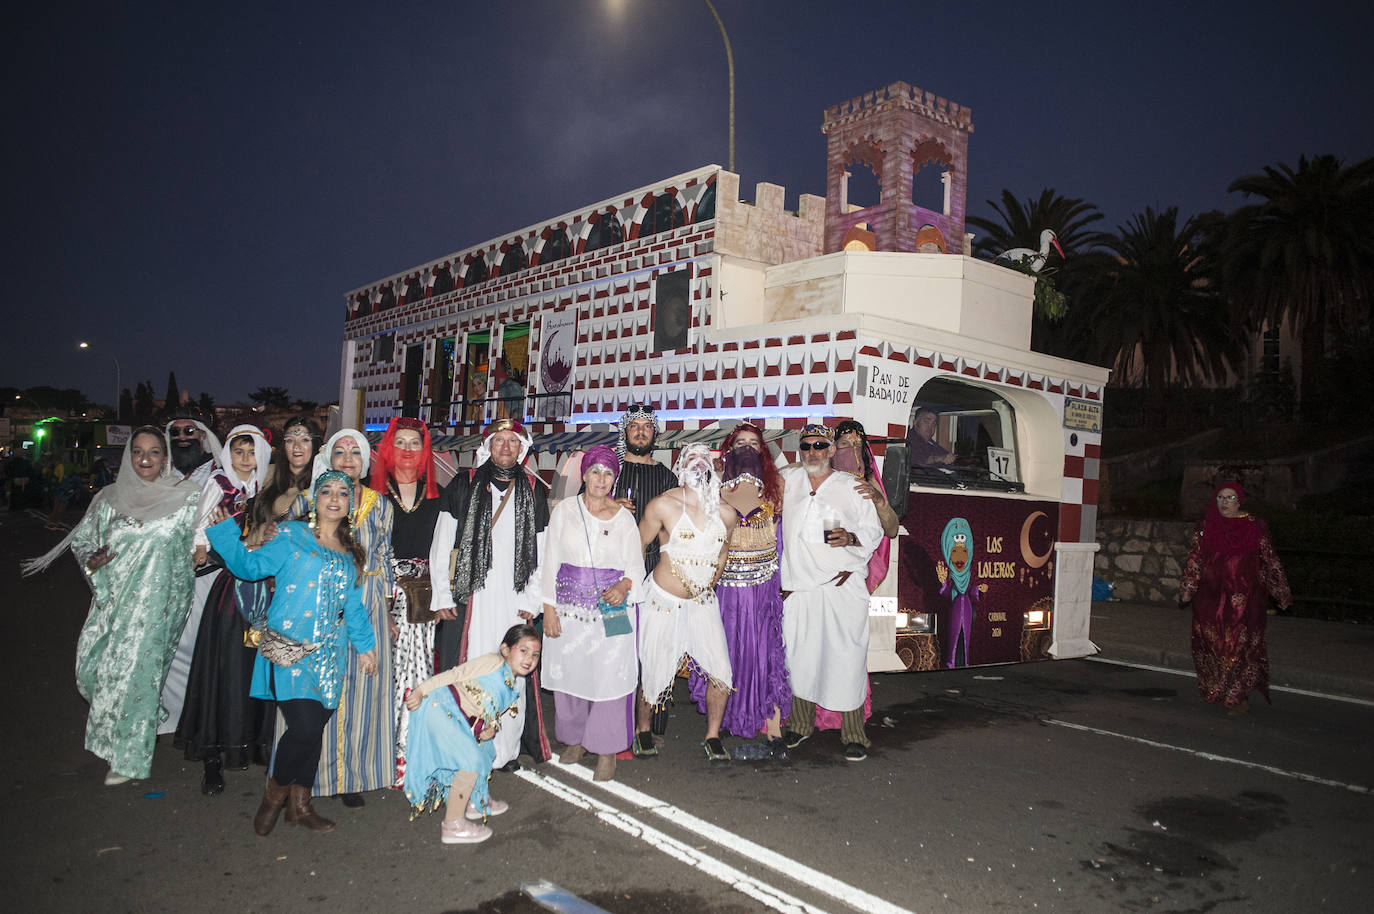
<point>454,716</point>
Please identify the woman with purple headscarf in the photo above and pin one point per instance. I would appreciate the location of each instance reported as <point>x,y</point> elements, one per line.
<point>592,565</point>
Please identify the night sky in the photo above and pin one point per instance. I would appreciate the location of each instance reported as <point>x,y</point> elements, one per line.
<point>194,187</point>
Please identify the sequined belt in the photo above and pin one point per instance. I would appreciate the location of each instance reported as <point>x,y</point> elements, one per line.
<point>745,568</point>
<point>577,588</point>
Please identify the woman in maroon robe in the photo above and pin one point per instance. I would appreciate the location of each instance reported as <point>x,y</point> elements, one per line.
<point>1231,572</point>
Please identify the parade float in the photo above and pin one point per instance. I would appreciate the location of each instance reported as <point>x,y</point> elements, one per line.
<point>716,309</point>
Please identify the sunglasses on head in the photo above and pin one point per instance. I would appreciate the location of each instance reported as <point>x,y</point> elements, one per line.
<point>183,431</point>
<point>813,445</point>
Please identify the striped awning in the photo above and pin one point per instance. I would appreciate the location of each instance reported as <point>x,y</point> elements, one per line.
<point>581,440</point>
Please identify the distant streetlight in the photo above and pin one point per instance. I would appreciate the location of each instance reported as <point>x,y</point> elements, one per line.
<point>730,63</point>
<point>85,345</point>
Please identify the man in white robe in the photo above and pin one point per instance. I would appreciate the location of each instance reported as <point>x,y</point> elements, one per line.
<point>828,533</point>
<point>192,448</point>
<point>473,624</point>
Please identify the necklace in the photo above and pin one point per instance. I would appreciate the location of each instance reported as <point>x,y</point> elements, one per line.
<point>395,494</point>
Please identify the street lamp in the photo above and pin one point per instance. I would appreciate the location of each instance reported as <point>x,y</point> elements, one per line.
<point>730,63</point>
<point>85,345</point>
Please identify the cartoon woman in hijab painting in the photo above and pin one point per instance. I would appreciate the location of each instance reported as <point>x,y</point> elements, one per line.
<point>957,545</point>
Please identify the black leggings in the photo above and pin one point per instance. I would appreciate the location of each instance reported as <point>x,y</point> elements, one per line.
<point>298,750</point>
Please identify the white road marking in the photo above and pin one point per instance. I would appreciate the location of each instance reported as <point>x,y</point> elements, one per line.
<point>1365,702</point>
<point>761,891</point>
<point>1213,757</point>
<point>799,872</point>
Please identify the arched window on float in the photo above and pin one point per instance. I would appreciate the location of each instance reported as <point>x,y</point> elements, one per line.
<point>476,271</point>
<point>665,214</point>
<point>706,204</point>
<point>984,436</point>
<point>964,435</point>
<point>514,260</point>
<point>555,247</point>
<point>605,232</point>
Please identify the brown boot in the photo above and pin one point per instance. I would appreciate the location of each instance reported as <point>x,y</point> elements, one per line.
<point>299,811</point>
<point>273,798</point>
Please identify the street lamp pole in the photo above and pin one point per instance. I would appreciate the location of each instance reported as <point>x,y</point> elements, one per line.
<point>85,345</point>
<point>730,63</point>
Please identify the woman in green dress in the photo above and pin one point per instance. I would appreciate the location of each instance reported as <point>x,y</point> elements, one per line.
<point>134,545</point>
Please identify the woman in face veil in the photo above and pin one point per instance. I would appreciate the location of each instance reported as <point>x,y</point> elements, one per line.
<point>134,546</point>
<point>749,592</point>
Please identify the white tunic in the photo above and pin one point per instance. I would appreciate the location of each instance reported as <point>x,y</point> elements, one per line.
<point>494,608</point>
<point>583,662</point>
<point>825,626</point>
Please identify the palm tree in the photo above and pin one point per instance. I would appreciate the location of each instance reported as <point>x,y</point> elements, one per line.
<point>1018,225</point>
<point>1304,253</point>
<point>1155,314</point>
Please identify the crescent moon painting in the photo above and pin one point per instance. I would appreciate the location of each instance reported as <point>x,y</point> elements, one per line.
<point>1028,554</point>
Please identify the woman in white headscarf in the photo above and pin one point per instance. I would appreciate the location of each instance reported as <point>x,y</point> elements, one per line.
<point>134,545</point>
<point>220,724</point>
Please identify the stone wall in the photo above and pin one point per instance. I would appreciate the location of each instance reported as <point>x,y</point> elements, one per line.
<point>1143,559</point>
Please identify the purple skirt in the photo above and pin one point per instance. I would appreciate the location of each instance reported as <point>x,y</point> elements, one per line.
<point>752,617</point>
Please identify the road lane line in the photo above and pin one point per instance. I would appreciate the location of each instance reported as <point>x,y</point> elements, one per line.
<point>1213,757</point>
<point>740,881</point>
<point>1348,699</point>
<point>799,872</point>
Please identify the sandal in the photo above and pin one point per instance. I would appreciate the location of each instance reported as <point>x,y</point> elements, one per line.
<point>643,745</point>
<point>715,750</point>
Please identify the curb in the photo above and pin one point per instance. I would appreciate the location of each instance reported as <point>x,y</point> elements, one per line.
<point>1287,676</point>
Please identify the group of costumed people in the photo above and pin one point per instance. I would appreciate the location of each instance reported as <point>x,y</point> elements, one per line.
<point>331,613</point>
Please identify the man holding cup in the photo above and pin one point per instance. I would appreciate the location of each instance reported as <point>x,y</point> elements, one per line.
<point>828,532</point>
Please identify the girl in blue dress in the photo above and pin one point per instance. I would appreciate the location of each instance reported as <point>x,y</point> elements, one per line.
<point>453,717</point>
<point>318,603</point>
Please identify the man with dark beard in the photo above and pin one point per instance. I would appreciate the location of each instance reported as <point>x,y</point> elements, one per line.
<point>641,480</point>
<point>484,566</point>
<point>829,531</point>
<point>193,448</point>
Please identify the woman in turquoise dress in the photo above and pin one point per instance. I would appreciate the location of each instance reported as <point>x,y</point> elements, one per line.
<point>358,752</point>
<point>317,598</point>
<point>134,544</point>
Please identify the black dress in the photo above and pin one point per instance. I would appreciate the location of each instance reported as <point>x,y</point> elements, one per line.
<point>219,716</point>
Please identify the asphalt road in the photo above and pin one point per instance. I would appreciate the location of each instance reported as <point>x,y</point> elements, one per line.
<point>1057,786</point>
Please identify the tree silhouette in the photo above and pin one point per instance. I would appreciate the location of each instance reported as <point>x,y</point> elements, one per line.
<point>1018,225</point>
<point>1156,314</point>
<point>126,405</point>
<point>145,407</point>
<point>206,405</point>
<point>271,396</point>
<point>1304,252</point>
<point>173,398</point>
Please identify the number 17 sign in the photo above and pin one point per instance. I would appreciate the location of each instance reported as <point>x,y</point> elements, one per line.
<point>1001,464</point>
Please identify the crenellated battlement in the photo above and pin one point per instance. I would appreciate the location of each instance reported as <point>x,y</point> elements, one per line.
<point>907,96</point>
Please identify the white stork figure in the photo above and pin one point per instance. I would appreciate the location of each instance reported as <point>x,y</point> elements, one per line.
<point>1033,259</point>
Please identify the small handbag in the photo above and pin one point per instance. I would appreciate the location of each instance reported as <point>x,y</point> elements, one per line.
<point>278,649</point>
<point>419,594</point>
<point>614,619</point>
